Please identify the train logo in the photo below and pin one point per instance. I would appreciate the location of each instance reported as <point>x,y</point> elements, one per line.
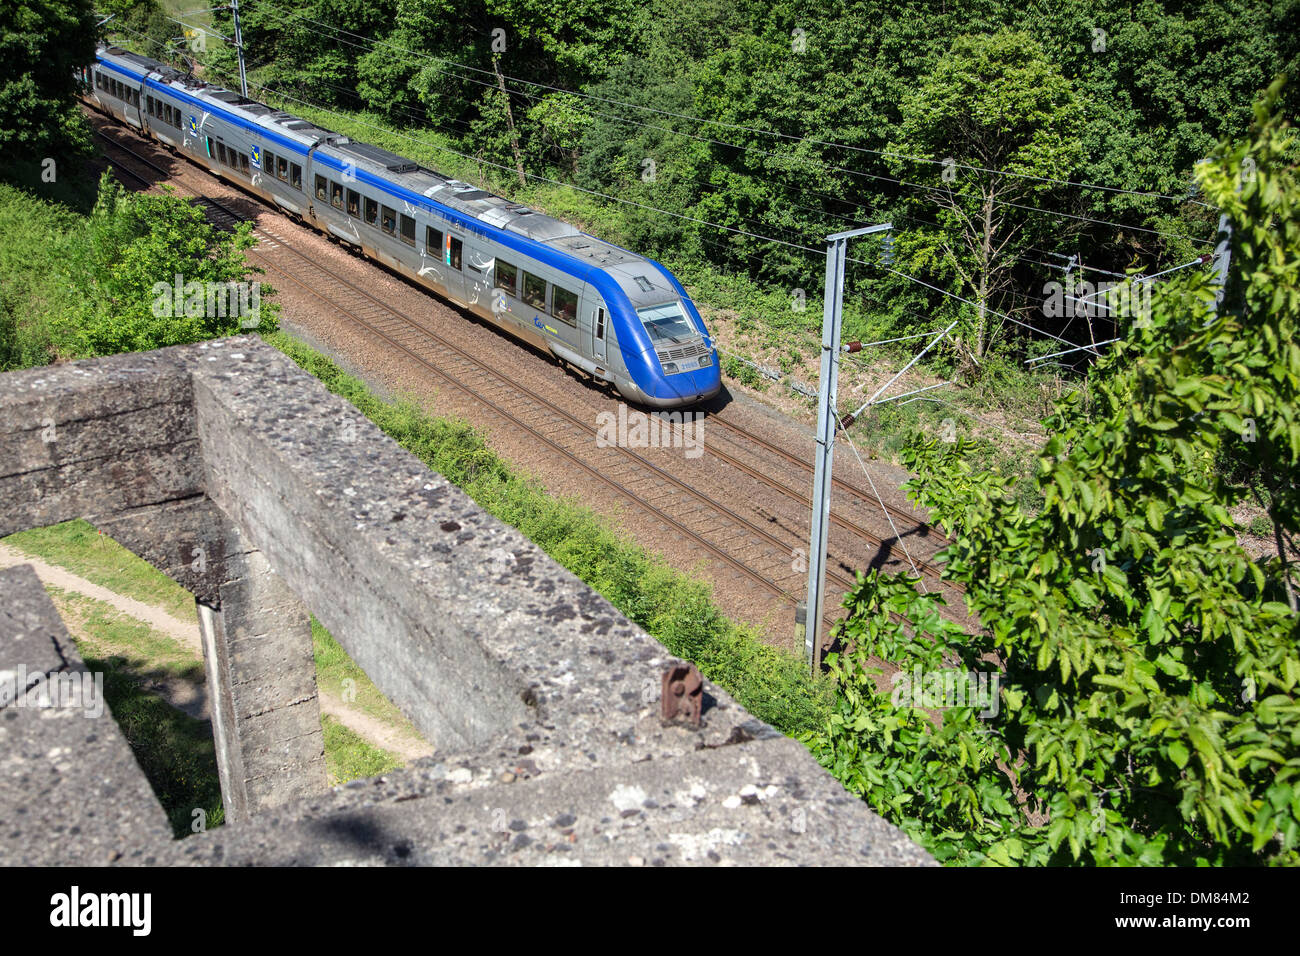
<point>255,154</point>
<point>537,321</point>
<point>194,125</point>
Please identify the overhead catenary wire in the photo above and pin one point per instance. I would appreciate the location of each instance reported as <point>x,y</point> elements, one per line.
<point>675,215</point>
<point>655,209</point>
<point>495,87</point>
<point>889,154</point>
<point>871,481</point>
<point>784,157</point>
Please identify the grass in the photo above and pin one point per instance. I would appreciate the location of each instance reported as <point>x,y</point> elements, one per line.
<point>80,548</point>
<point>107,632</point>
<point>31,292</point>
<point>1007,395</point>
<point>334,670</point>
<point>175,751</point>
<point>349,757</point>
<point>672,606</point>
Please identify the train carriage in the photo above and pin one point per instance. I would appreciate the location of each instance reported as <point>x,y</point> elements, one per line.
<point>614,315</point>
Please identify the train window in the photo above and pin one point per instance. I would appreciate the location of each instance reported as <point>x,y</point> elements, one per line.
<point>268,162</point>
<point>221,153</point>
<point>388,221</point>
<point>564,305</point>
<point>135,98</point>
<point>295,176</point>
<point>535,291</point>
<point>454,249</point>
<point>372,211</point>
<point>336,195</point>
<point>281,169</point>
<point>408,230</point>
<point>600,324</point>
<point>176,117</point>
<point>320,187</point>
<point>354,203</point>
<point>167,113</point>
<point>243,163</point>
<point>508,278</point>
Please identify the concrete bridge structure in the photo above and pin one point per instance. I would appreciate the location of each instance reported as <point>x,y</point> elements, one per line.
<point>238,475</point>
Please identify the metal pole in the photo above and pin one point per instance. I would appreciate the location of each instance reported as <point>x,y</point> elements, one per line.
<point>824,451</point>
<point>239,49</point>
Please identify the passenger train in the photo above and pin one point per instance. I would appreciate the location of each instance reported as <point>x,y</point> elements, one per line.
<point>617,316</point>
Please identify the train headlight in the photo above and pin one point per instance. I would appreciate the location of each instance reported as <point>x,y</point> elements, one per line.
<point>670,368</point>
<point>706,360</point>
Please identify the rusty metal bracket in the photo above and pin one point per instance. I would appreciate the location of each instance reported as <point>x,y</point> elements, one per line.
<point>683,694</point>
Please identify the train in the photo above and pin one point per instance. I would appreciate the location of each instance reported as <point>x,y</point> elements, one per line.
<point>607,312</point>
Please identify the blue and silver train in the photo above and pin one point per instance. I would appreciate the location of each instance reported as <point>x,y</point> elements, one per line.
<point>614,315</point>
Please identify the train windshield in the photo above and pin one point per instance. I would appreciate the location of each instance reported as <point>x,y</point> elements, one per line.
<point>666,323</point>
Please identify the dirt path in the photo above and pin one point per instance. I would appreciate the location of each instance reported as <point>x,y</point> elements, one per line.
<point>193,701</point>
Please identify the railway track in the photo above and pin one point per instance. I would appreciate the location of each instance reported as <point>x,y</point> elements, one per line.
<point>758,556</point>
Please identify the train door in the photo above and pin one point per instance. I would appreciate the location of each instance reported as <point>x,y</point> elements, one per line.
<point>441,259</point>
<point>598,333</point>
<point>453,261</point>
<point>478,278</point>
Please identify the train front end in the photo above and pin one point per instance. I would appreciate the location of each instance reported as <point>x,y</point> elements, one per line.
<point>670,357</point>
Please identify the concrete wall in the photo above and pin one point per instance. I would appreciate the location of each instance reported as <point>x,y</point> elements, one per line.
<point>541,699</point>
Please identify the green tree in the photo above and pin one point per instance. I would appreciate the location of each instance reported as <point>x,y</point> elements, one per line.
<point>1148,666</point>
<point>1001,120</point>
<point>131,246</point>
<point>41,43</point>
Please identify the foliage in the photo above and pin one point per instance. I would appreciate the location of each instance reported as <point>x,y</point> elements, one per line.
<point>775,120</point>
<point>1001,120</point>
<point>1148,666</point>
<point>95,291</point>
<point>41,43</point>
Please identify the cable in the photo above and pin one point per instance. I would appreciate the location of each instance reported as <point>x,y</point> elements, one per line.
<point>553,182</point>
<point>749,129</point>
<point>897,537</point>
<point>785,157</point>
<point>665,212</point>
<point>932,189</point>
